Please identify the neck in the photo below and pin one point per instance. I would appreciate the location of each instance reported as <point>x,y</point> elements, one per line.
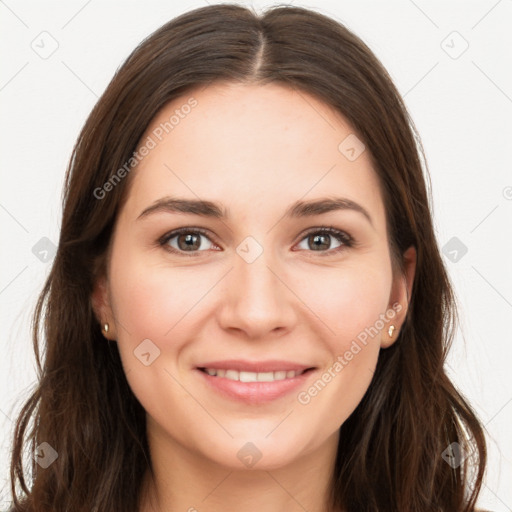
<point>184,479</point>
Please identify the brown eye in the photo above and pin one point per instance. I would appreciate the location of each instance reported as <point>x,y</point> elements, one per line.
<point>320,240</point>
<point>190,240</point>
<point>185,240</point>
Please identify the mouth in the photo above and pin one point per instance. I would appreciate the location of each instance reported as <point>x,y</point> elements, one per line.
<point>247,376</point>
<point>254,387</point>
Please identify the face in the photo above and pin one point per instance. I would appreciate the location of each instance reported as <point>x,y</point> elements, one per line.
<point>262,284</point>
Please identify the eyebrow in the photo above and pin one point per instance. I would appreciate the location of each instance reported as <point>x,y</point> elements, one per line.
<point>298,209</point>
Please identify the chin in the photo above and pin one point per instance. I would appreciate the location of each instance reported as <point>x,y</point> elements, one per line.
<point>254,451</point>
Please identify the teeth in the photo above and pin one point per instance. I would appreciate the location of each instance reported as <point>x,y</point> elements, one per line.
<point>266,376</point>
<point>232,375</point>
<point>247,377</point>
<point>253,376</point>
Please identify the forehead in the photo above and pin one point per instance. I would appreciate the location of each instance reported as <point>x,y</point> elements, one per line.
<point>253,146</point>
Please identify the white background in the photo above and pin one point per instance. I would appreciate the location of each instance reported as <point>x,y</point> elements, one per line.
<point>462,108</point>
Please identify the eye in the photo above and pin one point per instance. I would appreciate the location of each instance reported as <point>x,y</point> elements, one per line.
<point>322,237</point>
<point>187,240</point>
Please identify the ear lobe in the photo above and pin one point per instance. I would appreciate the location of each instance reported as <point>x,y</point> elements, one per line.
<point>401,293</point>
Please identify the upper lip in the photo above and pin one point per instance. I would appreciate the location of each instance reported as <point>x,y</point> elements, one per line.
<point>256,366</point>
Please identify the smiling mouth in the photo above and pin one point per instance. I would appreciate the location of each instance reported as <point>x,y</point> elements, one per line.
<point>245,376</point>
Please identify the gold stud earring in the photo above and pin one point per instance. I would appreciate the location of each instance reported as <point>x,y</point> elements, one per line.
<point>390,330</point>
<point>105,327</point>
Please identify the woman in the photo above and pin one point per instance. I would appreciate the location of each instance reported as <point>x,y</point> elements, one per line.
<point>206,347</point>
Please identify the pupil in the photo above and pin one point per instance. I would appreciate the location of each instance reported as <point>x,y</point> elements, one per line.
<point>189,242</point>
<point>318,238</point>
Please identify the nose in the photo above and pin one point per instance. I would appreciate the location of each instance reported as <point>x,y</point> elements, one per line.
<point>259,300</point>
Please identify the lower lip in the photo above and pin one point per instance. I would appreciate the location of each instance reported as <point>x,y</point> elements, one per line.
<point>255,392</point>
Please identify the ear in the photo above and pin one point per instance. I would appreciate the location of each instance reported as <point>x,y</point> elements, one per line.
<point>400,297</point>
<point>100,300</point>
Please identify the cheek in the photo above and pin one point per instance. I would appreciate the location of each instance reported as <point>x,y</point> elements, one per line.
<point>349,300</point>
<point>151,301</point>
<point>352,303</point>
<point>352,308</point>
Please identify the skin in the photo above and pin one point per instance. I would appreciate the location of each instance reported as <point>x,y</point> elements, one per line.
<point>255,149</point>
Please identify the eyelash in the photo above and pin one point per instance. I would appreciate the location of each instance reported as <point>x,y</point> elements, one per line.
<point>341,236</point>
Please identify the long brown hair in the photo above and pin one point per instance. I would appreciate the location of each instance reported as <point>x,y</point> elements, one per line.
<point>392,449</point>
